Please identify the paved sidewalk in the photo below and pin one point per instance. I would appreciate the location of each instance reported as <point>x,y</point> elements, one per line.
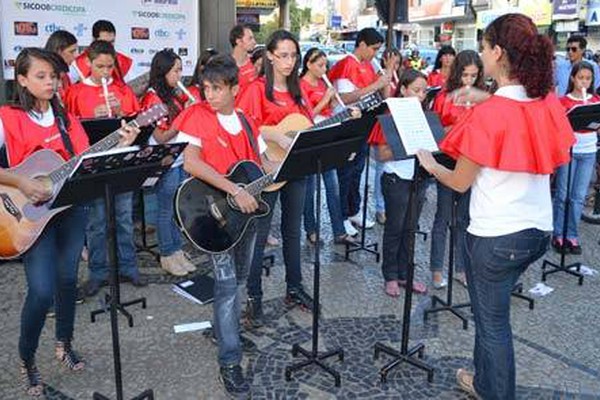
<point>557,344</point>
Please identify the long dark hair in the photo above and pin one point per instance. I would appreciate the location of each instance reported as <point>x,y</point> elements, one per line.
<point>162,63</point>
<point>445,49</point>
<point>59,41</point>
<point>407,77</point>
<point>463,60</point>
<point>23,98</point>
<point>312,55</point>
<point>205,56</point>
<point>578,66</point>
<point>293,80</point>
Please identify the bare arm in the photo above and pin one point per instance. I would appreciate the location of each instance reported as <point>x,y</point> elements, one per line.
<point>163,136</point>
<point>352,97</point>
<point>384,153</point>
<point>33,189</point>
<point>460,178</point>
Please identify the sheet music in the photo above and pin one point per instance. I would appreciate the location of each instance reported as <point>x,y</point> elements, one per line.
<point>411,124</point>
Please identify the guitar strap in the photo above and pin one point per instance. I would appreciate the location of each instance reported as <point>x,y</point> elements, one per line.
<point>250,134</point>
<point>62,128</point>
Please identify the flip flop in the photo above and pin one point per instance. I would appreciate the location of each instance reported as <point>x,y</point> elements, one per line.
<point>392,289</point>
<point>417,287</point>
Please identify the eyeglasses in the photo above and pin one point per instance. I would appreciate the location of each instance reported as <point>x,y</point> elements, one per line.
<point>572,49</point>
<point>286,56</point>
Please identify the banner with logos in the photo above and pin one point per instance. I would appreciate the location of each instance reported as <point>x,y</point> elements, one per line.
<point>426,10</point>
<point>565,9</point>
<point>144,27</point>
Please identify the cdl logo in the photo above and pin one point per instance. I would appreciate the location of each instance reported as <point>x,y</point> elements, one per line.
<point>51,28</point>
<point>161,33</point>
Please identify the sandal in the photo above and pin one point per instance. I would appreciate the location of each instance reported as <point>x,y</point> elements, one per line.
<point>392,289</point>
<point>32,379</point>
<point>344,239</point>
<point>417,287</point>
<point>68,357</point>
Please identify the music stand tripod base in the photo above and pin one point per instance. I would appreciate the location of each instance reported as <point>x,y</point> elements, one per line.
<point>145,395</point>
<point>518,293</point>
<point>409,357</point>
<point>372,248</point>
<point>438,305</point>
<point>571,269</point>
<point>315,359</point>
<point>121,307</point>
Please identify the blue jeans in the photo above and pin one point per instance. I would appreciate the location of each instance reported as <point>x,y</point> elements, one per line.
<point>332,192</point>
<point>97,238</point>
<point>441,224</point>
<point>493,268</point>
<point>379,201</point>
<point>396,192</point>
<point>349,179</point>
<point>231,269</point>
<point>169,235</point>
<point>581,173</point>
<point>292,206</point>
<point>51,271</point>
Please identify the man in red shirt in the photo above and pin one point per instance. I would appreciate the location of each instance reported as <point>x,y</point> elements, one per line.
<point>104,30</point>
<point>243,42</point>
<point>354,77</point>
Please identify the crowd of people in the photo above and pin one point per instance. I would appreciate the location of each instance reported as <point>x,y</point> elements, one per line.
<point>497,173</point>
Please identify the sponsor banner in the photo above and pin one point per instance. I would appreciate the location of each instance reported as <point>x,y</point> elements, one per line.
<point>592,17</point>
<point>144,27</point>
<point>426,10</point>
<point>540,12</point>
<point>565,9</point>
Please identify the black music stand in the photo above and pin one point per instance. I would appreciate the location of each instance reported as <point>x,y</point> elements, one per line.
<point>367,122</point>
<point>405,354</point>
<point>314,152</point>
<point>582,117</point>
<point>96,130</point>
<point>106,175</point>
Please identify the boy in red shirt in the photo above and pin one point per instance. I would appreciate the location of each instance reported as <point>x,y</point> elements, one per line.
<point>104,30</point>
<point>243,42</point>
<point>87,99</point>
<point>217,140</point>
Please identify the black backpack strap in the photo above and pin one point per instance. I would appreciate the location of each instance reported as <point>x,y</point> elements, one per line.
<point>250,134</point>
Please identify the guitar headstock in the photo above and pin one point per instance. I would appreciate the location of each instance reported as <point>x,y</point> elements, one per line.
<point>151,115</point>
<point>370,101</point>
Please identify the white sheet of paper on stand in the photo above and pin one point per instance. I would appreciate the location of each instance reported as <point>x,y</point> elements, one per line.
<point>585,270</point>
<point>541,289</point>
<point>411,124</point>
<point>193,326</point>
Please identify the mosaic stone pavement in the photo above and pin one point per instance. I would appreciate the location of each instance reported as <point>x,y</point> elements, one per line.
<point>557,344</point>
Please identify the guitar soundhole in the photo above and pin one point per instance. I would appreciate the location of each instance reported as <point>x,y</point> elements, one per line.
<point>10,206</point>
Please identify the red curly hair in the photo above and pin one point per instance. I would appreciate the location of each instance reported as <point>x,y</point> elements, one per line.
<point>529,54</point>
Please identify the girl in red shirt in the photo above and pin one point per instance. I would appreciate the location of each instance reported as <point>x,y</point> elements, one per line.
<point>64,45</point>
<point>165,72</point>
<point>320,99</point>
<point>441,67</point>
<point>33,123</point>
<point>466,71</point>
<point>268,100</point>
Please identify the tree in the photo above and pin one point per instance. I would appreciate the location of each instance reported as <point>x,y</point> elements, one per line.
<point>299,17</point>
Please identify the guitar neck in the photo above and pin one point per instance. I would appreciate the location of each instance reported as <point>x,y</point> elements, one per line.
<point>107,143</point>
<point>256,187</point>
<point>339,117</point>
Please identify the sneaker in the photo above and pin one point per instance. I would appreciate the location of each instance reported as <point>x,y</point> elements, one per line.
<point>438,280</point>
<point>465,381</point>
<point>32,379</point>
<point>380,217</point>
<point>233,380</point>
<point>253,315</point>
<point>172,265</point>
<point>298,297</point>
<point>185,262</point>
<point>557,244</point>
<point>573,246</point>
<point>92,287</point>
<point>350,229</point>
<point>51,313</point>
<point>358,220</point>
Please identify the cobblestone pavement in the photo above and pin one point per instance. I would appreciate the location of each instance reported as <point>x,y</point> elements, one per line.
<point>557,343</point>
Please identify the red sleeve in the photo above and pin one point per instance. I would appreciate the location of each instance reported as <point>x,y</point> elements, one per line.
<point>79,102</point>
<point>448,112</point>
<point>251,102</point>
<point>376,137</point>
<point>150,99</point>
<point>78,136</point>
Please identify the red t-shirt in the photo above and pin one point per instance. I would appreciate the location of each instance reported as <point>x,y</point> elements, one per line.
<point>435,78</point>
<point>23,136</point>
<point>246,75</point>
<point>195,91</point>
<point>82,98</point>
<point>569,103</point>
<point>253,102</point>
<point>314,94</point>
<point>448,111</point>
<point>151,98</point>
<point>84,70</point>
<point>361,74</point>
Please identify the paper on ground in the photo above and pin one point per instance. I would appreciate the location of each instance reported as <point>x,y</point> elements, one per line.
<point>193,326</point>
<point>541,289</point>
<point>585,270</point>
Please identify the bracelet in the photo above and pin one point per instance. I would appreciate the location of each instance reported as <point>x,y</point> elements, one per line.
<point>237,191</point>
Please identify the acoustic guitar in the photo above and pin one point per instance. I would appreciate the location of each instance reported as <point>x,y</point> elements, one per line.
<point>210,218</point>
<point>22,222</point>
